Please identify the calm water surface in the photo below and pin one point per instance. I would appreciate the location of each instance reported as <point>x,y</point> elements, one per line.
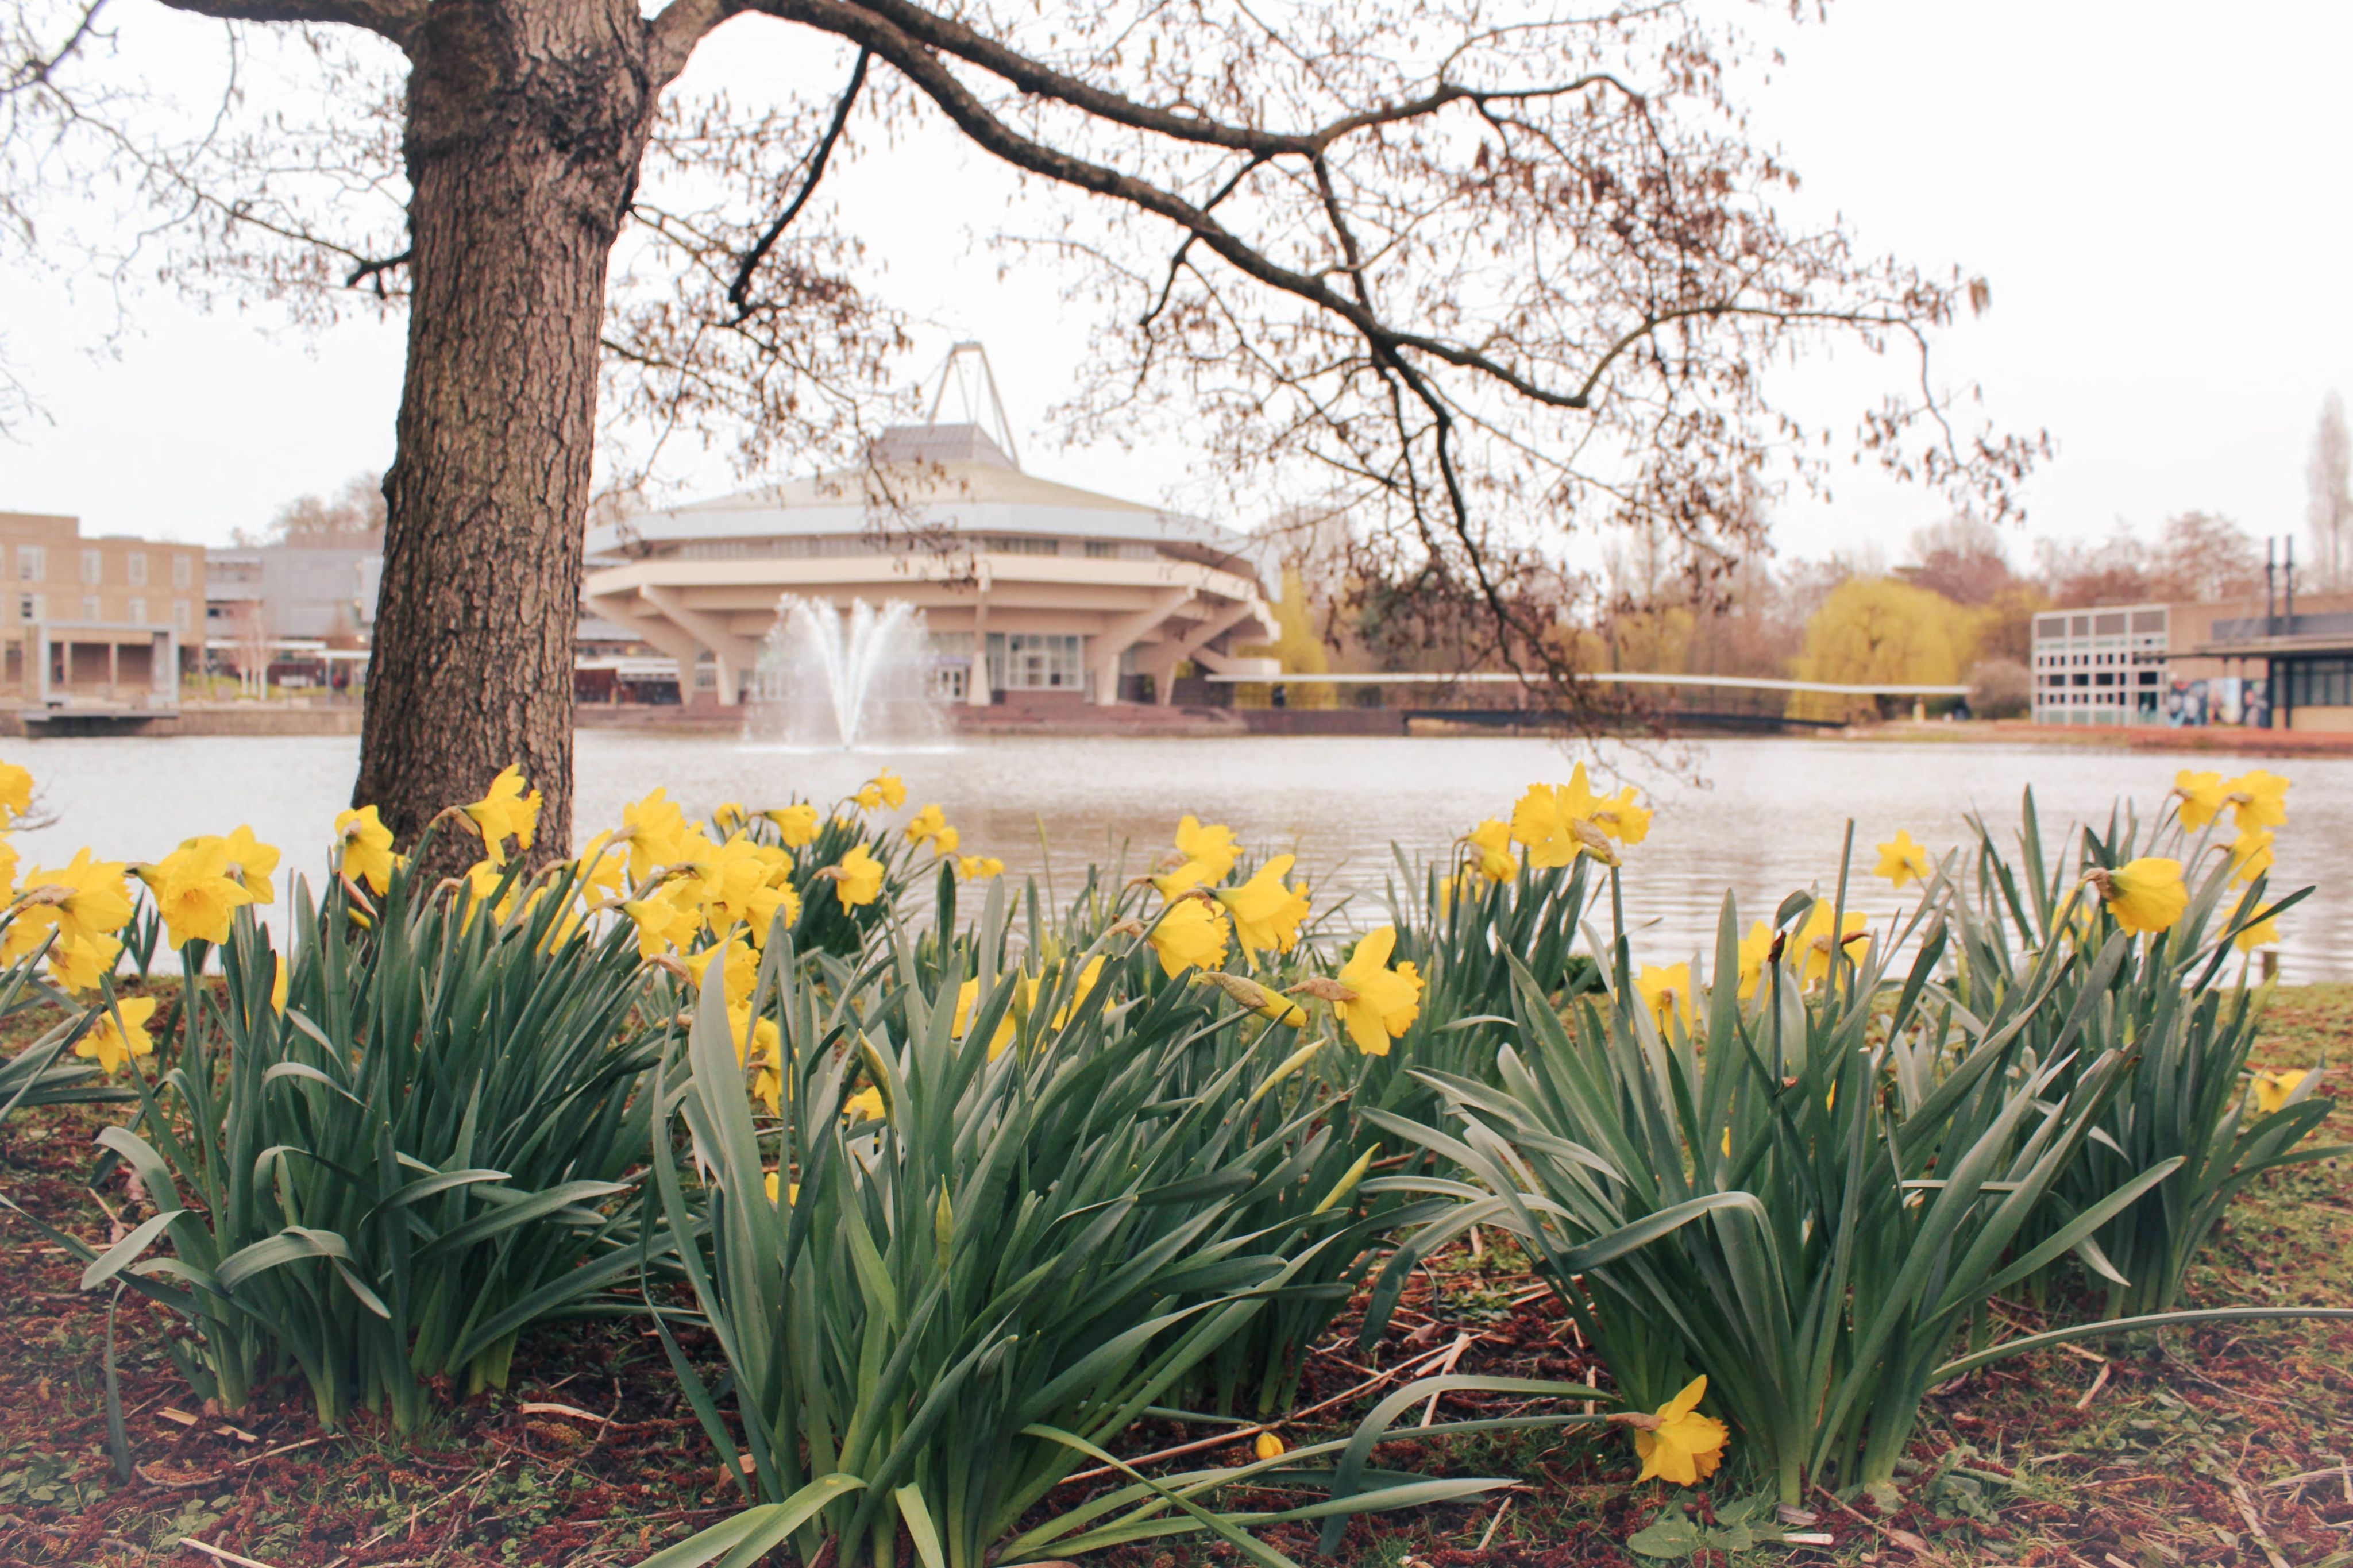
<point>1758,816</point>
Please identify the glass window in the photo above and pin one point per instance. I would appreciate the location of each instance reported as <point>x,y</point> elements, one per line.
<point>90,608</point>
<point>138,612</point>
<point>136,566</point>
<point>93,567</point>
<point>1035,661</point>
<point>32,563</point>
<point>179,614</point>
<point>180,571</point>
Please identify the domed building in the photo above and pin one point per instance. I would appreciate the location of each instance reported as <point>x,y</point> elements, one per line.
<point>1034,592</point>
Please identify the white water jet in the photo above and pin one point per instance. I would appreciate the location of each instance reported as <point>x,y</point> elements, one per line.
<point>834,682</point>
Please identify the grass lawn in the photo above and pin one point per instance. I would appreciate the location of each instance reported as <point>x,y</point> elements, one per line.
<point>2220,1445</point>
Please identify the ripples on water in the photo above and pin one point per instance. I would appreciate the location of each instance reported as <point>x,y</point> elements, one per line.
<point>1767,816</point>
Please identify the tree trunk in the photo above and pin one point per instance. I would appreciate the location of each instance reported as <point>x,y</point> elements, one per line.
<point>527,120</point>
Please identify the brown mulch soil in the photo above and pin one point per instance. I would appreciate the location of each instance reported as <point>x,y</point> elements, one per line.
<point>2120,1456</point>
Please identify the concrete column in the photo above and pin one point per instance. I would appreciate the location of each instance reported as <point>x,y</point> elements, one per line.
<point>976,692</point>
<point>113,670</point>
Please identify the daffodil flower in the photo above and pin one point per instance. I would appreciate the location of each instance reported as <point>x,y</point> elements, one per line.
<point>1265,913</point>
<point>363,846</point>
<point>195,891</point>
<point>926,824</point>
<point>15,791</point>
<point>857,880</point>
<point>980,867</point>
<point>1815,947</point>
<point>77,964</point>
<point>119,1035</point>
<point>2275,1088</point>
<point>2146,895</point>
<point>83,899</point>
<point>867,1103</point>
<point>1210,847</point>
<point>1381,1003</point>
<point>2201,796</point>
<point>1666,992</point>
<point>2264,932</point>
<point>1545,820</point>
<point>1903,859</point>
<point>1678,1444</point>
<point>1491,841</point>
<point>2257,799</point>
<point>1756,952</point>
<point>796,825</point>
<point>654,833</point>
<point>505,812</point>
<point>968,998</point>
<point>2251,853</point>
<point>1190,934</point>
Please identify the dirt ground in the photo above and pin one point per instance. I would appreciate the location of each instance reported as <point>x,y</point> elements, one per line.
<point>2221,1445</point>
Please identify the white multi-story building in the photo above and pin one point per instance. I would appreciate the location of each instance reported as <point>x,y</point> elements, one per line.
<point>2104,666</point>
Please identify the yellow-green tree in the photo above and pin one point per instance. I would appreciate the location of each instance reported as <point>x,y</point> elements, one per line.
<point>1298,645</point>
<point>1876,630</point>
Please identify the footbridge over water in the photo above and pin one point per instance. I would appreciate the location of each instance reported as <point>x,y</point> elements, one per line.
<point>1504,700</point>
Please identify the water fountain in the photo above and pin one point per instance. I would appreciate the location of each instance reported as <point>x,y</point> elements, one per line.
<point>829,681</point>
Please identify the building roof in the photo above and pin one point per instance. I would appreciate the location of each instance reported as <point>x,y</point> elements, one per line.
<point>925,478</point>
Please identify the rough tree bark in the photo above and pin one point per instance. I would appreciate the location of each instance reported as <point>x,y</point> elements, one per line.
<point>527,124</point>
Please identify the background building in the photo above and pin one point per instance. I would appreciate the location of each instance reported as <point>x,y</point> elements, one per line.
<point>1033,591</point>
<point>103,619</point>
<point>2244,662</point>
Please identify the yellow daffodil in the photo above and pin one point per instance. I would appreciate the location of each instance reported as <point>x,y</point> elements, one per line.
<point>250,861</point>
<point>884,789</point>
<point>2272,1089</point>
<point>968,998</point>
<point>742,883</point>
<point>1089,977</point>
<point>980,867</point>
<point>120,1034</point>
<point>506,811</point>
<point>195,892</point>
<point>653,833</point>
<point>1902,859</point>
<point>2201,796</point>
<point>1265,913</point>
<point>280,975</point>
<point>1494,860</point>
<point>1814,946</point>
<point>1267,1447</point>
<point>759,1045</point>
<point>1189,934</point>
<point>77,964</point>
<point>1756,952</point>
<point>729,816</point>
<point>1555,823</point>
<point>599,871</point>
<point>2257,799</point>
<point>666,917</point>
<point>1620,817</point>
<point>796,825</point>
<point>792,1193</point>
<point>1666,992</point>
<point>1209,846</point>
<point>2251,853</point>
<point>867,1102</point>
<point>1382,1002</point>
<point>857,880</point>
<point>83,899</point>
<point>15,791</point>
<point>926,824</point>
<point>738,968</point>
<point>1678,1444</point>
<point>2147,896</point>
<point>364,847</point>
<point>7,868</point>
<point>2264,932</point>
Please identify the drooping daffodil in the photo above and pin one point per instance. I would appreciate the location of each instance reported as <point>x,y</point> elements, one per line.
<point>1190,934</point>
<point>507,810</point>
<point>2274,1088</point>
<point>1374,1003</point>
<point>1491,856</point>
<point>796,825</point>
<point>1667,991</point>
<point>2202,795</point>
<point>119,1035</point>
<point>363,848</point>
<point>980,867</point>
<point>2146,895</point>
<point>858,878</point>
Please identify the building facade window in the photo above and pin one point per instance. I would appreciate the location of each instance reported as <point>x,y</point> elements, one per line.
<point>138,612</point>
<point>1036,662</point>
<point>183,572</point>
<point>135,566</point>
<point>93,567</point>
<point>180,616</point>
<point>90,608</point>
<point>2319,683</point>
<point>32,563</point>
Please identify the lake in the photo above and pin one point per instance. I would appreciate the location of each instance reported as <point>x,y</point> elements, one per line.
<point>1761,816</point>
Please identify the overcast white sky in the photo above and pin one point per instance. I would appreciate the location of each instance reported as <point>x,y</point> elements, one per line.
<point>2159,193</point>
